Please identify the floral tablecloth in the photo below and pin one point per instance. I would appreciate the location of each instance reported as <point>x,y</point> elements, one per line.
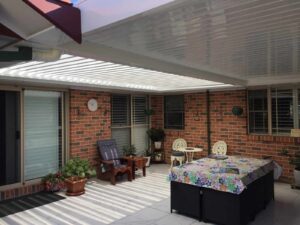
<point>230,175</point>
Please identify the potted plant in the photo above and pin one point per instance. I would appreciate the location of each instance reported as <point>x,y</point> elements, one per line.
<point>149,112</point>
<point>147,155</point>
<point>156,135</point>
<point>129,150</point>
<point>157,156</point>
<point>296,162</point>
<point>54,182</point>
<point>76,172</point>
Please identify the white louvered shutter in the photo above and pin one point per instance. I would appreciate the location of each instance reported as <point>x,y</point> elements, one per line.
<point>121,130</point>
<point>282,111</point>
<point>140,123</point>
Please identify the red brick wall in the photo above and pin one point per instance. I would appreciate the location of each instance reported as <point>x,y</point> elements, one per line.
<point>20,191</point>
<point>225,126</point>
<point>87,127</point>
<point>195,122</point>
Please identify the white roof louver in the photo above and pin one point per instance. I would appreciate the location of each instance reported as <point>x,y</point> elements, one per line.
<point>77,71</point>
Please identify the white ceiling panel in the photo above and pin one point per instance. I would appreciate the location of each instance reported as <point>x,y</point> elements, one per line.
<point>241,38</point>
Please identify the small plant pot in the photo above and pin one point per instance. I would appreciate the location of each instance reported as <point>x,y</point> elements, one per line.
<point>157,144</point>
<point>54,187</point>
<point>297,177</point>
<point>148,160</point>
<point>75,186</point>
<point>158,157</point>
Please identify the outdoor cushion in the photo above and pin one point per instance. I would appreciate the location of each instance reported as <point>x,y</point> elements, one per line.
<point>177,153</point>
<point>117,162</point>
<point>108,150</point>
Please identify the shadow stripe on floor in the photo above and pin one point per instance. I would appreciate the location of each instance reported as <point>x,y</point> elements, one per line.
<point>13,206</point>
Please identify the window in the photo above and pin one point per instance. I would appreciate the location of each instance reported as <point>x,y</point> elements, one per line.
<point>258,111</point>
<point>120,116</point>
<point>174,112</point>
<point>129,121</point>
<point>284,110</point>
<point>140,123</point>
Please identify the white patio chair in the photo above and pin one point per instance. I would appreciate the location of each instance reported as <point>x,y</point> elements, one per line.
<point>177,155</point>
<point>219,148</point>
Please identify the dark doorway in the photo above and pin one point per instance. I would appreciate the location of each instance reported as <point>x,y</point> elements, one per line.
<point>9,137</point>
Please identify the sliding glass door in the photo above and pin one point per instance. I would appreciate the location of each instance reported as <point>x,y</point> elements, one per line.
<point>42,133</point>
<point>10,154</point>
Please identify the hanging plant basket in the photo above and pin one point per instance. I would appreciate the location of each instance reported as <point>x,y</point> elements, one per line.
<point>149,112</point>
<point>237,110</point>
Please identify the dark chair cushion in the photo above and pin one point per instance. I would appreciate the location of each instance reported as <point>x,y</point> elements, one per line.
<point>177,153</point>
<point>108,150</point>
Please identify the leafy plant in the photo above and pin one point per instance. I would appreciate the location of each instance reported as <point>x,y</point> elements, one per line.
<point>147,152</point>
<point>149,112</point>
<point>78,168</point>
<point>237,110</point>
<point>54,182</point>
<point>157,155</point>
<point>129,150</point>
<point>156,134</point>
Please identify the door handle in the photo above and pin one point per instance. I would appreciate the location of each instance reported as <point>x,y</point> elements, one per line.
<point>18,134</point>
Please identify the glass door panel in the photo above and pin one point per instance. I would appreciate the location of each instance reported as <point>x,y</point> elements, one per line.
<point>42,136</point>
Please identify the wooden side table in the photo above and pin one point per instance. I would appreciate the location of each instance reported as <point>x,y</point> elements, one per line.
<point>136,163</point>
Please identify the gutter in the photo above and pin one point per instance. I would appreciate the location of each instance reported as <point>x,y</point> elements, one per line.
<point>208,122</point>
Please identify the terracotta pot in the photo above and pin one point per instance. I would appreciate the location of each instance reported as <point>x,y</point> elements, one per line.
<point>75,186</point>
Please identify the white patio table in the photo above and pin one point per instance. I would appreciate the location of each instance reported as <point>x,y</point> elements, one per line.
<point>189,152</point>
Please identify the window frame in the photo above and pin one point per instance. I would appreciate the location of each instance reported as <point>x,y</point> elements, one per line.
<point>182,111</point>
<point>132,125</point>
<point>249,111</point>
<point>296,111</point>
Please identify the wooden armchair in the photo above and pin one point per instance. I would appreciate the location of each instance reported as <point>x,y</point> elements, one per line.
<point>111,164</point>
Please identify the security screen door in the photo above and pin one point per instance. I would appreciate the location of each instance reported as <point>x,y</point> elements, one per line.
<point>10,154</point>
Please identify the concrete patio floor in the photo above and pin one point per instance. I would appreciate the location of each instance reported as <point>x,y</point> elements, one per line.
<point>145,201</point>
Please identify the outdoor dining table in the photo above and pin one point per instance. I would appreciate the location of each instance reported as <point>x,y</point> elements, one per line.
<point>189,152</point>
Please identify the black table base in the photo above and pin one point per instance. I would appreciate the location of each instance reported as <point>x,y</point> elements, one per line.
<point>219,207</point>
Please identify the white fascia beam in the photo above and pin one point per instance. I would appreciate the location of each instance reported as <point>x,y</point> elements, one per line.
<point>99,13</point>
<point>147,61</point>
<point>266,80</point>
